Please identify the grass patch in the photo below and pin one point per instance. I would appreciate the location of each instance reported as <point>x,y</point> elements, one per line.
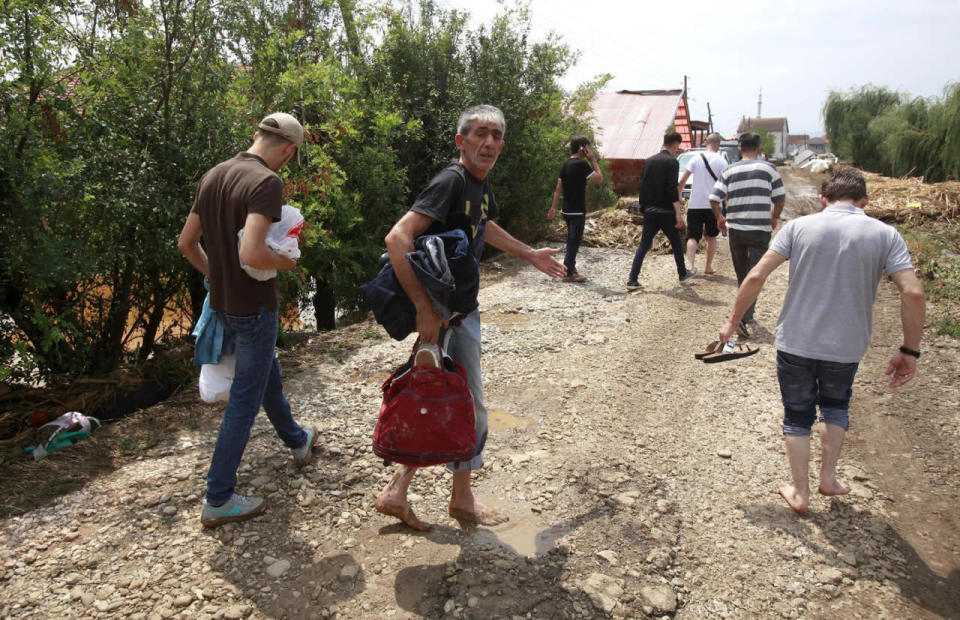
<point>372,334</point>
<point>338,350</point>
<point>947,327</point>
<point>935,249</point>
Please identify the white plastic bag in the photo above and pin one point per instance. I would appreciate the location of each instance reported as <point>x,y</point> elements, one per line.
<point>281,238</point>
<point>216,379</point>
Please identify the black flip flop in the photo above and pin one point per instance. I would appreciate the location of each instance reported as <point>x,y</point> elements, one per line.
<point>708,350</point>
<point>741,350</point>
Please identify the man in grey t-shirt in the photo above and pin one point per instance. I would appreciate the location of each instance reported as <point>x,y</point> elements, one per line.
<point>837,258</point>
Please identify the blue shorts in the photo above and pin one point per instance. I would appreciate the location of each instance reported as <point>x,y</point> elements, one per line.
<point>806,383</point>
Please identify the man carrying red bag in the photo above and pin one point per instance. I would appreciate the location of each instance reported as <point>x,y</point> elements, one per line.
<point>459,196</point>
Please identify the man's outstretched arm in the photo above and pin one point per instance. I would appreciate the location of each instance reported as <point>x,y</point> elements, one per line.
<point>542,259</point>
<point>913,308</point>
<point>747,294</point>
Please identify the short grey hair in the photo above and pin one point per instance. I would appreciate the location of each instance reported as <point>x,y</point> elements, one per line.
<point>713,138</point>
<point>483,113</point>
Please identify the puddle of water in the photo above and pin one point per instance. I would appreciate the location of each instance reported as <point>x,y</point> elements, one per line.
<point>500,420</point>
<point>525,537</point>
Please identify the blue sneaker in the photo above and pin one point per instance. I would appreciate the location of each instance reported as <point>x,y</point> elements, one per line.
<point>237,508</point>
<point>303,454</point>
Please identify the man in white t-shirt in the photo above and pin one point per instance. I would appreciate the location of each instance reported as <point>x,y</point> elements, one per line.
<point>706,167</point>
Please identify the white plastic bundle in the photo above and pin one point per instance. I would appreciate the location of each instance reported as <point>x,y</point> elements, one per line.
<point>216,379</point>
<point>281,238</point>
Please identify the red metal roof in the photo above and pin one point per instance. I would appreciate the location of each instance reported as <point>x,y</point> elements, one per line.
<point>631,124</point>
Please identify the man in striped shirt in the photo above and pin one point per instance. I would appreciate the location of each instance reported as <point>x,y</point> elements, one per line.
<point>754,193</point>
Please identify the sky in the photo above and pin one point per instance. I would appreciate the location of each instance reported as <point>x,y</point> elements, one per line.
<point>791,53</point>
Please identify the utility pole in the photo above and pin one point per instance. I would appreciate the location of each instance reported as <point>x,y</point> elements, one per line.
<point>759,102</point>
<point>709,118</point>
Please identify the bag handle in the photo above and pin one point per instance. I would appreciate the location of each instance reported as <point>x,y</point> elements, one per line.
<point>441,368</point>
<point>416,343</point>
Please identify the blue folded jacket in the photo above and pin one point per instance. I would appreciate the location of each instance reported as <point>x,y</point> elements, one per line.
<point>447,268</point>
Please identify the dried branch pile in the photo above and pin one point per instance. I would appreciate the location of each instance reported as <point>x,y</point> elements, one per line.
<point>609,228</point>
<point>910,200</point>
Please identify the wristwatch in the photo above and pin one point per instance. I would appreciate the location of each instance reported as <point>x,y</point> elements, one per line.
<point>909,351</point>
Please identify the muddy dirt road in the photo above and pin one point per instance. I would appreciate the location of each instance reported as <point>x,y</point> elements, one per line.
<point>639,481</point>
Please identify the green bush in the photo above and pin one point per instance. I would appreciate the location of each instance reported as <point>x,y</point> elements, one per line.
<point>110,114</point>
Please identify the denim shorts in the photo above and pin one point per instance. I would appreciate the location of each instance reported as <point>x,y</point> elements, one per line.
<point>806,383</point>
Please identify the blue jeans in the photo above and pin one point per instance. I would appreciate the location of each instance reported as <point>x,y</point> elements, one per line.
<point>653,223</point>
<point>462,343</point>
<point>806,383</point>
<point>575,225</point>
<point>256,381</point>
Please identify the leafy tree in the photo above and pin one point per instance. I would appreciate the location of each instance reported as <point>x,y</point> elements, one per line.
<point>888,133</point>
<point>111,113</point>
<point>37,179</point>
<point>847,118</point>
<point>124,129</point>
<point>768,141</point>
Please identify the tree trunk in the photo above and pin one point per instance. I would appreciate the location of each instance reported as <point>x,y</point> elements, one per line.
<point>324,307</point>
<point>349,26</point>
<point>111,347</point>
<point>160,298</point>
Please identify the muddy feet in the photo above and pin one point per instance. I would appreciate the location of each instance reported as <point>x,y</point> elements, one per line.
<point>399,508</point>
<point>834,487</point>
<point>476,514</point>
<point>793,498</point>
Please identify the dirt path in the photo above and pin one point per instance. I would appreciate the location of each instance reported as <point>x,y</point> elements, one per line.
<point>638,480</point>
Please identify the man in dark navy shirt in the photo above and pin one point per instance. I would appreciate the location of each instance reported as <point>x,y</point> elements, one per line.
<point>661,207</point>
<point>458,197</point>
<point>572,183</point>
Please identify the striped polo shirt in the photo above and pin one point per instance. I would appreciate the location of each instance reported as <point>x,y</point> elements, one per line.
<point>750,186</point>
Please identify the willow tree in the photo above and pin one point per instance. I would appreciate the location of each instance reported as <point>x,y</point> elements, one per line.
<point>847,117</point>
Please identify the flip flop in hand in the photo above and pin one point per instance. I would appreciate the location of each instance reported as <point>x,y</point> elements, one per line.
<point>739,350</point>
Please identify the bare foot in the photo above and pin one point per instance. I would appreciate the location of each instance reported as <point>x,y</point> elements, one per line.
<point>400,509</point>
<point>833,488</point>
<point>478,514</point>
<point>793,498</point>
<point>709,271</point>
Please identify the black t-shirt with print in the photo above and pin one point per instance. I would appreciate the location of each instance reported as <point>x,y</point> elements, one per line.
<point>574,174</point>
<point>457,199</point>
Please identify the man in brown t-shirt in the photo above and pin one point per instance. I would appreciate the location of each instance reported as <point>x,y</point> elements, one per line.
<point>245,192</point>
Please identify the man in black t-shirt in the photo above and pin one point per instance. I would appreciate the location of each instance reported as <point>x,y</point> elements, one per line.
<point>572,182</point>
<point>458,197</point>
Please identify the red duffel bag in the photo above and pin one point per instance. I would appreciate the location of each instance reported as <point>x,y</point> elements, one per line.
<point>427,415</point>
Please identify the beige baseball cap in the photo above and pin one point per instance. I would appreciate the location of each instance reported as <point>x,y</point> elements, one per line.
<point>285,126</point>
